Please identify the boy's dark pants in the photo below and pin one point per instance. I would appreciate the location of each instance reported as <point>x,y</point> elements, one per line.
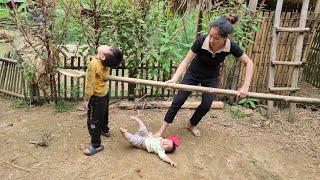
<point>98,118</point>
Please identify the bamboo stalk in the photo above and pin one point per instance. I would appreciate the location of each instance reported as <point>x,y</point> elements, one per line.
<point>128,105</point>
<point>273,53</point>
<point>298,55</point>
<point>265,53</point>
<point>213,90</point>
<point>12,93</point>
<point>185,87</point>
<point>8,60</point>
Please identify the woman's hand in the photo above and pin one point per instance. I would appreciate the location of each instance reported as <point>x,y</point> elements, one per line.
<point>172,81</point>
<point>243,91</point>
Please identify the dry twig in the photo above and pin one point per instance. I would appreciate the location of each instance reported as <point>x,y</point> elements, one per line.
<point>18,167</point>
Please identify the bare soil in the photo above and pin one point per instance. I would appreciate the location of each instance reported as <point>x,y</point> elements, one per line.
<point>229,148</point>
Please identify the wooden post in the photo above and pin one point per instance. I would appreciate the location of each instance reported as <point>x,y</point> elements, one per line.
<point>297,56</point>
<point>317,8</point>
<point>253,4</point>
<point>273,53</point>
<point>199,21</point>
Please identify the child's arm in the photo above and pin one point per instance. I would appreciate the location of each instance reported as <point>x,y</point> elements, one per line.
<point>90,85</point>
<point>168,160</point>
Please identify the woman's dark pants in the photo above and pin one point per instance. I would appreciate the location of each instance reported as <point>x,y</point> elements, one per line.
<point>182,96</point>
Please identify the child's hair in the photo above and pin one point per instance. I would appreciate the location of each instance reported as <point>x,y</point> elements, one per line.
<point>115,59</point>
<point>224,24</point>
<point>174,146</point>
<point>175,142</point>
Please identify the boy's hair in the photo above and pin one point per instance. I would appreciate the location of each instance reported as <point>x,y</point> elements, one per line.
<point>115,59</point>
<point>174,146</point>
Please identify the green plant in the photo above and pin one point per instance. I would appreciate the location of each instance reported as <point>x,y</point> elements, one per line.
<point>237,114</point>
<point>249,102</point>
<point>75,91</point>
<point>64,106</point>
<point>4,12</point>
<point>244,29</point>
<point>42,29</point>
<point>19,104</point>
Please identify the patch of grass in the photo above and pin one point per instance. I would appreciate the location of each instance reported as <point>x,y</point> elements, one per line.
<point>19,104</point>
<point>64,106</point>
<point>237,114</point>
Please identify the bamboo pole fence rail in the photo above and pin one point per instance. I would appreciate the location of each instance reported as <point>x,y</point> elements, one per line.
<point>196,88</point>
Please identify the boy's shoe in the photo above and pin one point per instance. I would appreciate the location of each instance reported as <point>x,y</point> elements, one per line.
<point>106,134</point>
<point>92,150</point>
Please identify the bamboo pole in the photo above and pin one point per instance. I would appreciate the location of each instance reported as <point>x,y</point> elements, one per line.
<point>273,53</point>
<point>317,8</point>
<point>128,105</point>
<point>298,55</point>
<point>253,4</point>
<point>185,87</point>
<point>12,93</point>
<point>213,90</point>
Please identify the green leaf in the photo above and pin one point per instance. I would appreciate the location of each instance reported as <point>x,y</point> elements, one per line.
<point>26,14</point>
<point>253,100</point>
<point>252,105</point>
<point>23,6</point>
<point>163,49</point>
<point>60,12</point>
<point>4,1</point>
<point>4,13</point>
<point>243,101</point>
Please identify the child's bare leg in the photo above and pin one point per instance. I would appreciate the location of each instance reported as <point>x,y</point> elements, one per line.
<point>142,128</point>
<point>137,120</point>
<point>135,140</point>
<point>123,131</point>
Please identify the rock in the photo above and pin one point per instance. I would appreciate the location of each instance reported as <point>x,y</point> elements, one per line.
<point>247,112</point>
<point>235,108</point>
<point>4,125</point>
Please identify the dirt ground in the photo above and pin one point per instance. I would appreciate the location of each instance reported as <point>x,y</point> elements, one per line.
<point>229,148</point>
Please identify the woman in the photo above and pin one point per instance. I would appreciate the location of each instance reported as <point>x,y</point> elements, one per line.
<point>205,56</point>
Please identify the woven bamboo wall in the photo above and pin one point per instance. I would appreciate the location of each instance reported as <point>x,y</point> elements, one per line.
<point>312,69</point>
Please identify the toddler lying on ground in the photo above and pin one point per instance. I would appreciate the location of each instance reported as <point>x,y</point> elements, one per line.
<point>145,140</point>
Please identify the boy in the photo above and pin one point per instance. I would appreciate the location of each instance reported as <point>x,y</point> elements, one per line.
<point>96,99</point>
<point>158,145</point>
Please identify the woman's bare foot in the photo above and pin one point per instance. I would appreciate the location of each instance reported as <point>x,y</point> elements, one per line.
<point>195,131</point>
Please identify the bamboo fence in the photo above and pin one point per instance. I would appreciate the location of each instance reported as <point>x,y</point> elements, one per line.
<point>312,69</point>
<point>11,78</point>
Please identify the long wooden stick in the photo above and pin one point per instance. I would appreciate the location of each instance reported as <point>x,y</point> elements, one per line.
<point>197,88</point>
<point>213,90</point>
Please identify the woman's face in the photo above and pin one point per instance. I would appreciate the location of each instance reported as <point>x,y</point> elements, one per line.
<point>216,41</point>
